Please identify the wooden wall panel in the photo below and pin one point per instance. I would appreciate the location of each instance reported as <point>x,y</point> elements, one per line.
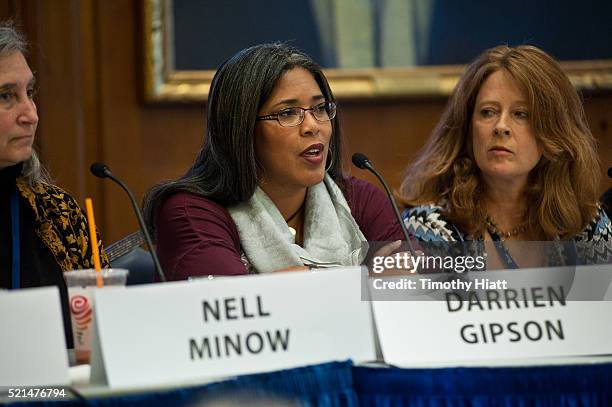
<point>389,133</point>
<point>68,98</point>
<point>599,113</point>
<point>141,144</point>
<point>87,58</point>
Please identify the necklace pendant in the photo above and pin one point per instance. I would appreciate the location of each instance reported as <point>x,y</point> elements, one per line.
<point>493,229</point>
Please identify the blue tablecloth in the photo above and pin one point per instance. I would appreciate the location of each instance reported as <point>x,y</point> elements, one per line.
<point>572,385</point>
<point>342,384</point>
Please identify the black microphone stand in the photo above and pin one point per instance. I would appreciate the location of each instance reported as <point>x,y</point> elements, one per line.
<point>362,162</point>
<point>102,171</point>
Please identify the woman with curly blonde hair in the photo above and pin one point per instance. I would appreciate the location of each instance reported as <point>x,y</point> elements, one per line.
<point>512,158</point>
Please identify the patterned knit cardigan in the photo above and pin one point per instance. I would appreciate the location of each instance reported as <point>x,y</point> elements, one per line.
<point>61,225</point>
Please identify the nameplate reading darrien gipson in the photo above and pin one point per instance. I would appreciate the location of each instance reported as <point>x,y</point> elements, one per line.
<point>528,313</point>
<point>185,331</point>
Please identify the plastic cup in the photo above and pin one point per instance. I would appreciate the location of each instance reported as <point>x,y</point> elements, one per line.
<point>81,284</point>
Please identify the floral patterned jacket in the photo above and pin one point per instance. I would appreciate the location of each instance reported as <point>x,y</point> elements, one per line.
<point>61,225</point>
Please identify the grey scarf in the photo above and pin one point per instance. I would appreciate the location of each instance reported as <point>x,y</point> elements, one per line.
<point>331,235</point>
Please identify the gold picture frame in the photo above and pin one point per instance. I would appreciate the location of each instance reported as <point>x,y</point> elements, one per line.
<point>164,84</point>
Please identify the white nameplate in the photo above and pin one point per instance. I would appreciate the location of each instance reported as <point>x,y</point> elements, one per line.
<point>542,313</point>
<point>32,342</point>
<point>184,331</point>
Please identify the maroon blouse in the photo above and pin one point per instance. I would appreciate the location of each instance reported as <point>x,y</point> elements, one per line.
<point>198,237</point>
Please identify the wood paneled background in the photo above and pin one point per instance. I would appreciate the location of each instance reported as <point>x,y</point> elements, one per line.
<point>87,58</point>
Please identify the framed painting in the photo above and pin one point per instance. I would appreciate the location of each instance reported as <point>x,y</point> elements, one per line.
<point>369,48</point>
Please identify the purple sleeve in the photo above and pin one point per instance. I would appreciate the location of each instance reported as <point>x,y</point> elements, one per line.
<point>372,211</point>
<point>196,237</point>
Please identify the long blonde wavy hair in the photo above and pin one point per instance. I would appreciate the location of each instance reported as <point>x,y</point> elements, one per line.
<point>562,188</point>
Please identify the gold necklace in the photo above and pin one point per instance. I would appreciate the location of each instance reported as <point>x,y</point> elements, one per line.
<point>494,229</point>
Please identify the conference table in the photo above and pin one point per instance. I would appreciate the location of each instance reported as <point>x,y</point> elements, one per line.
<point>509,381</point>
<point>578,381</point>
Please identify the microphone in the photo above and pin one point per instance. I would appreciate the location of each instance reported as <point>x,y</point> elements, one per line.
<point>362,162</point>
<point>101,170</point>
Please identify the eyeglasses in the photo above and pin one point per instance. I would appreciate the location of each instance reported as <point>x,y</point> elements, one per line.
<point>294,116</point>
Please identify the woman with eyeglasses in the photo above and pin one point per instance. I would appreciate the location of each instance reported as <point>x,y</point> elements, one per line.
<point>266,192</point>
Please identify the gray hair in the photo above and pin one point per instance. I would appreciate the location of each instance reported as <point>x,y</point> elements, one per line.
<point>12,40</point>
<point>34,172</point>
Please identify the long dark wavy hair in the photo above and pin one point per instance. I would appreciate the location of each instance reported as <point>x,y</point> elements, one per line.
<point>225,169</point>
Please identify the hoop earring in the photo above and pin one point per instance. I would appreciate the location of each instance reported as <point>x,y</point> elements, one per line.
<point>331,162</point>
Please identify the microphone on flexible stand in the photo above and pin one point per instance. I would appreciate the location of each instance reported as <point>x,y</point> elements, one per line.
<point>362,162</point>
<point>101,170</point>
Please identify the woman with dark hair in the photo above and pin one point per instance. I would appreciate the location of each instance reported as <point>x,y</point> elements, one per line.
<point>512,158</point>
<point>42,229</point>
<point>267,192</point>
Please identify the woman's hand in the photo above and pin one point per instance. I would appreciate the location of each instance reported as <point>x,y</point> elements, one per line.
<point>388,249</point>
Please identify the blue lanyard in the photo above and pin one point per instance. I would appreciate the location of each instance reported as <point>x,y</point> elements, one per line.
<point>16,244</point>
